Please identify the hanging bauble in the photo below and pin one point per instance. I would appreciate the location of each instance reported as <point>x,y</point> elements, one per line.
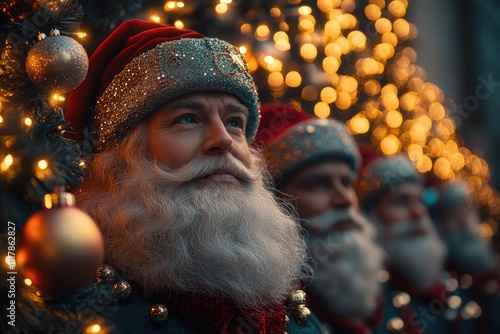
<point>61,246</point>
<point>18,9</point>
<point>57,64</point>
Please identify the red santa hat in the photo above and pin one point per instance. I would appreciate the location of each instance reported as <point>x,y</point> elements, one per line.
<point>142,65</point>
<point>292,139</point>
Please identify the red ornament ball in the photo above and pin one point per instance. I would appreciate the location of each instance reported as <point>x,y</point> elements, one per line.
<point>60,250</point>
<point>18,9</point>
<point>57,64</point>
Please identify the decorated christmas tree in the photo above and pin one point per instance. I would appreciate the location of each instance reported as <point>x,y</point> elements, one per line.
<point>344,59</point>
<point>50,249</point>
<point>350,60</point>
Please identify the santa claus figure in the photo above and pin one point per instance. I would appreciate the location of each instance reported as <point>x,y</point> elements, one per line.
<point>314,164</point>
<point>199,243</point>
<point>391,194</point>
<point>471,261</point>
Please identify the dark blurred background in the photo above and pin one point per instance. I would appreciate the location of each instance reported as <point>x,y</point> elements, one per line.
<point>459,47</point>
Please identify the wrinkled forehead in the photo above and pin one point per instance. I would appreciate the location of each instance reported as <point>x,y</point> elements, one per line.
<point>205,101</point>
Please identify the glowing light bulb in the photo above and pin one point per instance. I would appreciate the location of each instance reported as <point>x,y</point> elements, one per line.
<point>221,8</point>
<point>7,162</point>
<point>308,51</point>
<point>93,329</point>
<point>390,145</point>
<point>43,164</point>
<point>322,110</point>
<point>360,124</point>
<point>170,5</point>
<point>268,59</point>
<point>179,24</point>
<point>293,79</point>
<point>262,32</point>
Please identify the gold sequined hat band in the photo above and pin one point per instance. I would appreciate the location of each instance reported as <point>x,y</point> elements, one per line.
<point>168,71</point>
<point>308,142</point>
<point>382,174</point>
<point>292,139</point>
<point>142,65</point>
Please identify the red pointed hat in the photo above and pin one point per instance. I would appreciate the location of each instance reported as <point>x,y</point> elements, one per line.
<point>276,119</point>
<point>142,65</point>
<point>292,139</point>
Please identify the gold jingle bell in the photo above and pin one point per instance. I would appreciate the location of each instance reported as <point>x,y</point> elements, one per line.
<point>105,273</point>
<point>287,321</point>
<point>158,313</point>
<point>122,289</point>
<point>296,298</point>
<point>302,314</point>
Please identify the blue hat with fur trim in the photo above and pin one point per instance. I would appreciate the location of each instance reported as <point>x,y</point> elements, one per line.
<point>293,139</point>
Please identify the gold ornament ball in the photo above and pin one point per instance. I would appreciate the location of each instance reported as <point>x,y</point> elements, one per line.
<point>60,249</point>
<point>57,64</point>
<point>123,289</point>
<point>158,313</point>
<point>105,273</point>
<point>296,298</point>
<point>302,314</point>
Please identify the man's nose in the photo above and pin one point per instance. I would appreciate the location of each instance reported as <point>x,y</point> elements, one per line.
<point>417,210</point>
<point>341,197</point>
<point>217,139</point>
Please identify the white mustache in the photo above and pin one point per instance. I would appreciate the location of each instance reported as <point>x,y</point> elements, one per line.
<point>326,222</point>
<point>408,229</point>
<point>211,165</point>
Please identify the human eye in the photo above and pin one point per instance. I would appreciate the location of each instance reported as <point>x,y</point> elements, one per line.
<point>236,122</point>
<point>401,201</point>
<point>316,185</point>
<point>186,119</point>
<point>347,182</point>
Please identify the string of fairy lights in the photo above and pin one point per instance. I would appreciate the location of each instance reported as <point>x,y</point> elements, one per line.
<point>333,58</point>
<point>340,59</point>
<point>361,69</point>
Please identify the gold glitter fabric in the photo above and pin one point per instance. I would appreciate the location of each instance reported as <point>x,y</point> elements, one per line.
<point>308,142</point>
<point>384,173</point>
<point>165,72</point>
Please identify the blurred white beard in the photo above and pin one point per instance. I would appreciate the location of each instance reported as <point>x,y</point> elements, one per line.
<point>176,235</point>
<point>346,266</point>
<point>469,251</point>
<point>418,258</point>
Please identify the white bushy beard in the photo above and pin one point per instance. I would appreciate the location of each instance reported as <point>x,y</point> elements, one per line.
<point>469,251</point>
<point>417,258</point>
<point>346,266</point>
<point>174,235</point>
